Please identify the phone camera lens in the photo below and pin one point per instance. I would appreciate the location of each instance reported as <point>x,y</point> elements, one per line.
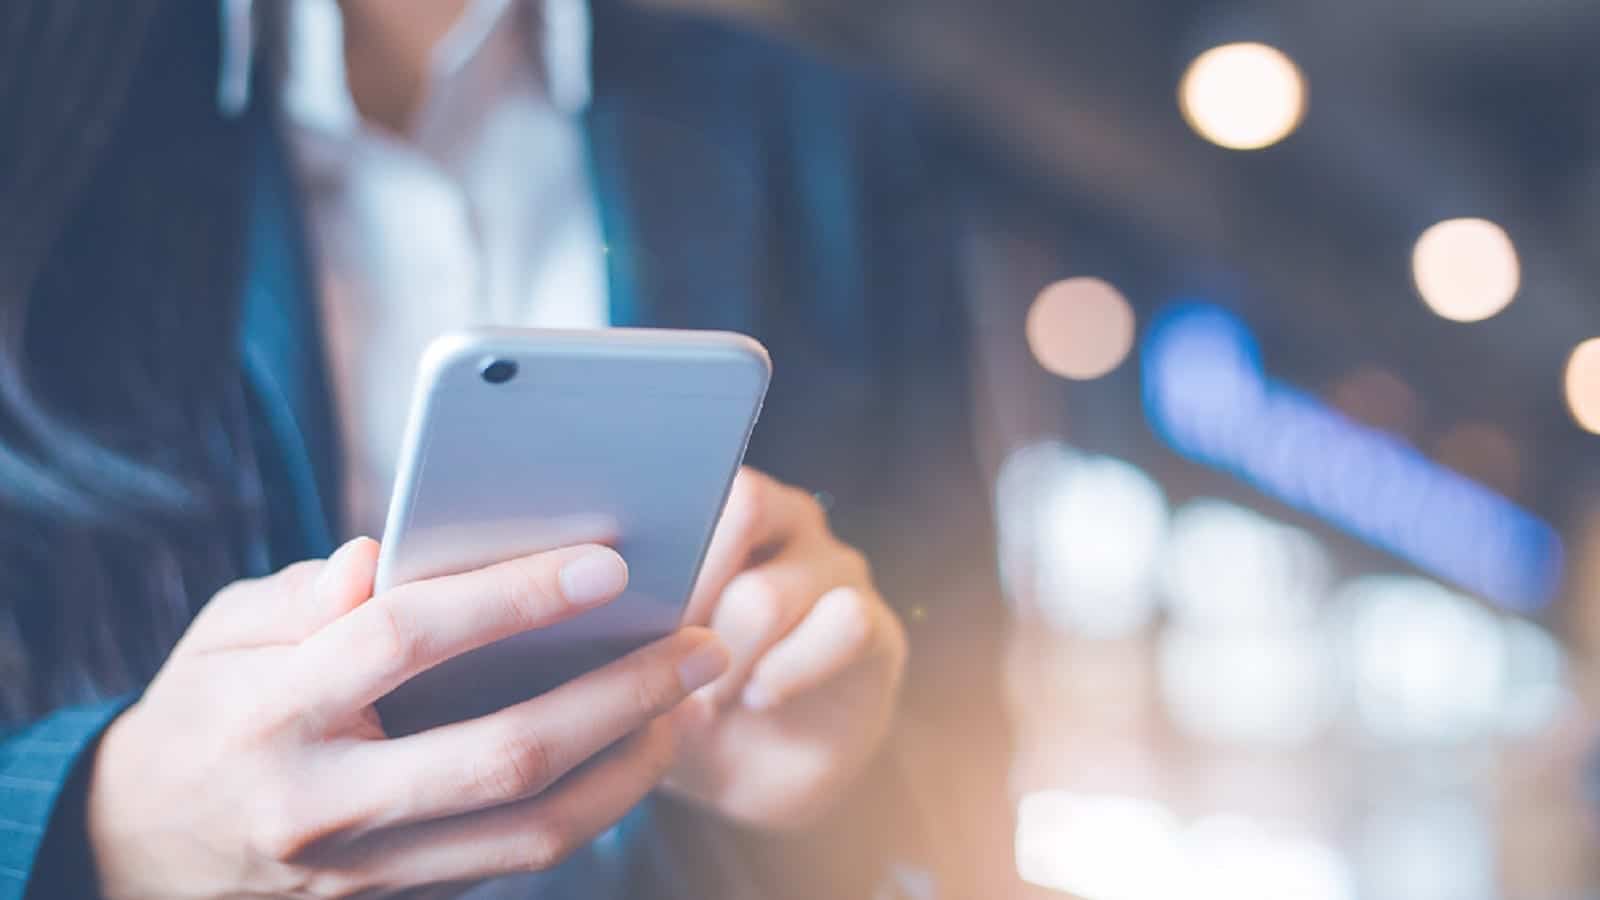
<point>499,371</point>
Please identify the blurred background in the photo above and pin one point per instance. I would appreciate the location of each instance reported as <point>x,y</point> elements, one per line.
<point>1291,381</point>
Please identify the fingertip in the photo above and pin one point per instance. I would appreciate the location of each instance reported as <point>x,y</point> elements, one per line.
<point>706,660</point>
<point>757,698</point>
<point>723,689</point>
<point>712,644</point>
<point>700,634</point>
<point>849,615</point>
<point>364,553</point>
<point>595,574</point>
<point>751,614</point>
<point>351,548</point>
<point>360,554</point>
<point>346,579</point>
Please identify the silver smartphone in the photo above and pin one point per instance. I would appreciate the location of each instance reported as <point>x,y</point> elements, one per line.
<point>522,440</point>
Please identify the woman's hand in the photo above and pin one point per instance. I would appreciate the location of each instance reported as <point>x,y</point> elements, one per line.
<point>817,659</point>
<point>255,764</point>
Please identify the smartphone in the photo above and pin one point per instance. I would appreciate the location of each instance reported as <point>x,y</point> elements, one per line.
<point>523,440</point>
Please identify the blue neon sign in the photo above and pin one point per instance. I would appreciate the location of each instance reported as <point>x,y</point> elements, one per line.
<point>1206,395</point>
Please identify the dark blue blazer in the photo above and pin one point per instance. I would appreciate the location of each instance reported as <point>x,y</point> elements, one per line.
<point>742,185</point>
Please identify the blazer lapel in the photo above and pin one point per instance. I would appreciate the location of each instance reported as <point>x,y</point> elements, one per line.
<point>283,359</point>
<point>678,173</point>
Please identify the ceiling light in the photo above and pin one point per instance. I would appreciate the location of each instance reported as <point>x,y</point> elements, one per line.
<point>1465,269</point>
<point>1080,328</point>
<point>1242,96</point>
<point>1583,385</point>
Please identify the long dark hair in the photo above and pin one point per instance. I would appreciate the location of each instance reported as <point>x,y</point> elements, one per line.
<point>127,486</point>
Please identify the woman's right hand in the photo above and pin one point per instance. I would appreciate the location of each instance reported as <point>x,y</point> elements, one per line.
<point>255,764</point>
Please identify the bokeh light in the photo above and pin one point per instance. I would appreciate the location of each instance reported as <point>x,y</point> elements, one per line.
<point>1428,665</point>
<point>1378,398</point>
<point>1102,527</point>
<point>1426,848</point>
<point>1258,688</point>
<point>1080,328</point>
<point>1483,452</point>
<point>1228,567</point>
<point>1017,488</point>
<point>1080,536</point>
<point>1098,845</point>
<point>1119,847</point>
<point>1206,394</point>
<point>1536,686</point>
<point>1583,385</point>
<point>1243,96</point>
<point>1235,858</point>
<point>1465,269</point>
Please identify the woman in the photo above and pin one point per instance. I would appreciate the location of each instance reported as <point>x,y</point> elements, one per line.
<point>186,713</point>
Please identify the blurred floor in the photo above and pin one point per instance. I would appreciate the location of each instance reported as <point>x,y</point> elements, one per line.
<point>1122,803</point>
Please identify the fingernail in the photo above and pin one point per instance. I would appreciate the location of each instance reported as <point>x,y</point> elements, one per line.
<point>756,698</point>
<point>335,561</point>
<point>593,578</point>
<point>703,665</point>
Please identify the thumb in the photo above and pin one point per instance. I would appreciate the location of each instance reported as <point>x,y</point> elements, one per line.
<point>288,606</point>
<point>343,583</point>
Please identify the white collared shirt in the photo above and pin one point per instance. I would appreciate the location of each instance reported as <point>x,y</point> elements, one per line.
<point>483,214</point>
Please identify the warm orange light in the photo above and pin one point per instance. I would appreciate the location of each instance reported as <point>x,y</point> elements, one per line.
<point>1080,328</point>
<point>1379,398</point>
<point>1242,96</point>
<point>1466,269</point>
<point>1583,385</point>
<point>1484,452</point>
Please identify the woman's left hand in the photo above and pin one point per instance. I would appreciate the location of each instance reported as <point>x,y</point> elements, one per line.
<point>816,662</point>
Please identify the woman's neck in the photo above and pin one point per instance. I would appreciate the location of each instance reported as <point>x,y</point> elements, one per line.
<point>387,46</point>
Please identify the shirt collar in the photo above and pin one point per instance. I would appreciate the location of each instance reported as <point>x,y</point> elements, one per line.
<point>316,93</point>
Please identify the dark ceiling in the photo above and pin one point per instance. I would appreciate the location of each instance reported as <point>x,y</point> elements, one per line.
<point>1418,111</point>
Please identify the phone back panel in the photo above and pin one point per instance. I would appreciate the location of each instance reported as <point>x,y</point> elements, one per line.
<point>623,436</point>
